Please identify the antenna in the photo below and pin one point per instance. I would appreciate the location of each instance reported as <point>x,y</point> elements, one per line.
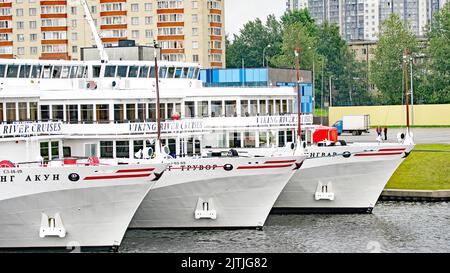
<point>98,41</point>
<point>158,118</point>
<point>405,69</point>
<point>299,105</point>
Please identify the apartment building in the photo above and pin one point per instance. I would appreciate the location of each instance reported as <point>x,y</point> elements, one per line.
<point>186,30</point>
<point>360,19</point>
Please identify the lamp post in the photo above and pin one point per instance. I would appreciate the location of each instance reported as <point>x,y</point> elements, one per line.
<point>264,54</point>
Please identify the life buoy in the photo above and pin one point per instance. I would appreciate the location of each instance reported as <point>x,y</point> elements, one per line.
<point>92,85</point>
<point>93,161</point>
<point>6,164</point>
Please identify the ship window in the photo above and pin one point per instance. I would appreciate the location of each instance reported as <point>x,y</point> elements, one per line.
<point>141,112</point>
<point>216,108</point>
<point>118,113</point>
<point>202,110</point>
<point>178,72</point>
<point>152,72</point>
<point>171,72</point>
<point>81,71</point>
<point>57,112</point>
<point>122,71</point>
<point>191,72</point>
<point>46,73</point>
<point>110,71</point>
<point>25,71</point>
<point>56,72</point>
<point>73,72</point>
<point>189,109</point>
<point>281,142</point>
<point>289,137</point>
<point>262,107</point>
<point>96,71</point>
<point>185,72</point>
<point>102,113</point>
<point>10,111</point>
<point>45,112</point>
<point>44,150</point>
<point>253,107</point>
<point>152,111</point>
<point>162,72</point>
<point>106,149</point>
<point>12,71</point>
<point>234,140</point>
<point>22,111</point>
<point>65,72</point>
<point>2,70</point>
<point>245,112</point>
<point>133,71</point>
<point>131,111</point>
<point>122,149</point>
<point>263,139</point>
<point>249,140</point>
<point>72,113</point>
<point>87,113</point>
<point>138,145</point>
<point>143,72</point>
<point>1,112</point>
<point>36,71</point>
<point>33,111</point>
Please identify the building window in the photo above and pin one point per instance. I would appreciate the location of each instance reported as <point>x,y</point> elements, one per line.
<point>74,23</point>
<point>194,18</point>
<point>20,25</point>
<point>19,12</point>
<point>33,37</point>
<point>194,45</point>
<point>74,49</point>
<point>148,6</point>
<point>194,4</point>
<point>21,50</point>
<point>32,11</point>
<point>135,7</point>
<point>93,9</point>
<point>149,20</point>
<point>33,24</point>
<point>33,50</point>
<point>148,33</point>
<point>135,34</point>
<point>135,20</point>
<point>20,37</point>
<point>73,10</point>
<point>195,58</point>
<point>194,31</point>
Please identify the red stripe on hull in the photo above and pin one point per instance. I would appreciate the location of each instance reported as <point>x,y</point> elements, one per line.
<point>264,166</point>
<point>391,149</point>
<point>279,161</point>
<point>135,170</point>
<point>116,176</point>
<point>378,154</point>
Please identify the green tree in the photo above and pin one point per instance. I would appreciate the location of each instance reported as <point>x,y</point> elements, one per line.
<point>436,83</point>
<point>299,16</point>
<point>387,65</point>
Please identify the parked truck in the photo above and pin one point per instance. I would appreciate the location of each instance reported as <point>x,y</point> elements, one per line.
<point>355,124</point>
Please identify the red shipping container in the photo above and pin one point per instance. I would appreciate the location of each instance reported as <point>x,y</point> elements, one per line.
<point>322,133</point>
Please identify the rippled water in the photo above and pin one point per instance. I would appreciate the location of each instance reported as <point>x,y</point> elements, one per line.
<point>393,227</point>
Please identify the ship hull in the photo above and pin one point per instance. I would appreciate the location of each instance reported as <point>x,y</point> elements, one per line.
<point>241,198</point>
<point>94,213</point>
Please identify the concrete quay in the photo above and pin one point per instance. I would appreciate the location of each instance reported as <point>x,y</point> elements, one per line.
<point>415,195</point>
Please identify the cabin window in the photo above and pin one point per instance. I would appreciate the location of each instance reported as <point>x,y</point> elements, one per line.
<point>152,72</point>
<point>81,71</point>
<point>122,71</point>
<point>13,70</point>
<point>25,71</point>
<point>272,138</point>
<point>131,111</point>
<point>202,110</point>
<point>118,113</point>
<point>270,110</point>
<point>90,149</point>
<point>73,72</point>
<point>262,107</point>
<point>185,72</point>
<point>171,72</point>
<point>72,113</point>
<point>249,140</point>
<point>277,107</point>
<point>152,111</point>
<point>141,112</point>
<point>110,71</point>
<point>221,140</point>
<point>87,113</point>
<point>189,109</point>
<point>230,108</point>
<point>23,111</point>
<point>96,71</point>
<point>65,72</point>
<point>281,141</point>
<point>47,70</point>
<point>244,108</point>
<point>2,70</point>
<point>36,71</point>
<point>45,112</point>
<point>216,108</point>
<point>138,145</point>
<point>106,149</point>
<point>1,112</point>
<point>143,72</point>
<point>54,149</point>
<point>162,110</point>
<point>253,107</point>
<point>262,139</point>
<point>196,73</point>
<point>190,72</point>
<point>44,150</point>
<point>284,106</point>
<point>102,113</point>
<point>162,72</point>
<point>289,137</point>
<point>177,108</point>
<point>133,72</point>
<point>178,72</point>
<point>10,111</point>
<point>57,112</point>
<point>33,111</point>
<point>56,74</point>
<point>122,149</point>
<point>234,140</point>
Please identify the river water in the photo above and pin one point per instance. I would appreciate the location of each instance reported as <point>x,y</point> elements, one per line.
<point>393,227</point>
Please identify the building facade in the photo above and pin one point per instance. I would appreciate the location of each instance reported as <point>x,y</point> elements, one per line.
<point>360,19</point>
<point>186,30</point>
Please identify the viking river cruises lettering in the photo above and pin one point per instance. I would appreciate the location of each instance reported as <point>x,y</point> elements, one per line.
<point>186,125</point>
<point>30,128</point>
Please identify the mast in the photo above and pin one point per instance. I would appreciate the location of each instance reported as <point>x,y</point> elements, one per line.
<point>299,105</point>
<point>405,70</point>
<point>87,15</point>
<point>158,118</point>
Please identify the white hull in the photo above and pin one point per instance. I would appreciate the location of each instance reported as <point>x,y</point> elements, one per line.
<point>94,213</point>
<point>357,181</point>
<point>240,197</point>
